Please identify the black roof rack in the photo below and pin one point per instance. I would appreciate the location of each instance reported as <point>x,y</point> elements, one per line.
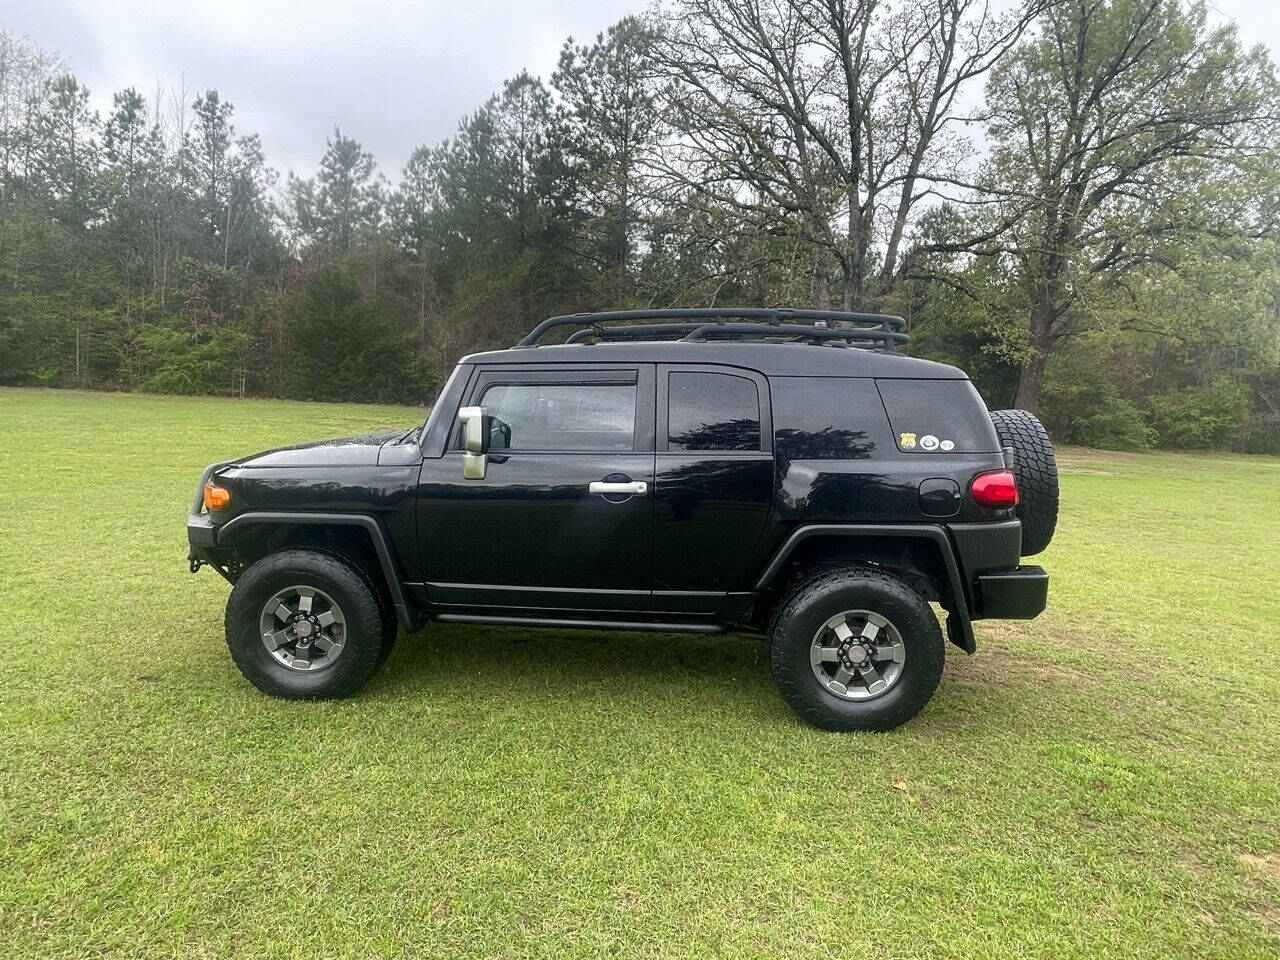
<point>786,324</point>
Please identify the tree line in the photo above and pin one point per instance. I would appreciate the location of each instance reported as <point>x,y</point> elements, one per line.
<point>1077,201</point>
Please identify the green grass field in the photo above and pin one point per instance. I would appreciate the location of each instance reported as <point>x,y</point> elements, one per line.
<point>1103,781</point>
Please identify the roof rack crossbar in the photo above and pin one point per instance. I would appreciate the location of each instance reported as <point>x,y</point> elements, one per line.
<point>763,332</point>
<point>634,331</point>
<point>709,331</point>
<point>700,323</point>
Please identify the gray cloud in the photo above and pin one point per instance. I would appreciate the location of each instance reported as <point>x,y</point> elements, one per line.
<point>392,73</point>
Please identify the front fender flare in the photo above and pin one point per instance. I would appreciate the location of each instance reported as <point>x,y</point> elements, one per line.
<point>228,532</point>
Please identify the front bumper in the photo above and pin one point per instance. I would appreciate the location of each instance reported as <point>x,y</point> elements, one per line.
<point>1017,594</point>
<point>202,532</point>
<point>202,535</point>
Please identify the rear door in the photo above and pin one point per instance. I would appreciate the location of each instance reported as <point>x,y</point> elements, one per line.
<point>713,482</point>
<point>532,533</point>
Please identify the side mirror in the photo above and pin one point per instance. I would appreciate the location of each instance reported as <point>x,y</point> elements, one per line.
<point>475,435</point>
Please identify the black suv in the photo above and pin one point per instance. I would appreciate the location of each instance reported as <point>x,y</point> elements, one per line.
<point>778,472</point>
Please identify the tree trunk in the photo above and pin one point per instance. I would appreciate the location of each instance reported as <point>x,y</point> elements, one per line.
<point>1030,382</point>
<point>855,261</point>
<point>821,287</point>
<point>852,277</point>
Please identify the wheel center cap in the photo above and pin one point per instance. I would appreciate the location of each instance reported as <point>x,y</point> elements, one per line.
<point>857,654</point>
<point>302,628</point>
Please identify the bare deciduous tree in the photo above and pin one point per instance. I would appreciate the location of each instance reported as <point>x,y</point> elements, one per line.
<point>1123,127</point>
<point>825,117</point>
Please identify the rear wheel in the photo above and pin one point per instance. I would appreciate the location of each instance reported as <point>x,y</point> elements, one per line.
<point>305,625</point>
<point>855,648</point>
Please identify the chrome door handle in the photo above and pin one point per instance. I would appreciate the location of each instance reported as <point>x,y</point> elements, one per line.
<point>635,487</point>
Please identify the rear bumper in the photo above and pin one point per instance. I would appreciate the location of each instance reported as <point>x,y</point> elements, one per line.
<point>1017,594</point>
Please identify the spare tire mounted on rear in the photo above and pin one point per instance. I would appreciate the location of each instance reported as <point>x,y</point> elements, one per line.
<point>1036,471</point>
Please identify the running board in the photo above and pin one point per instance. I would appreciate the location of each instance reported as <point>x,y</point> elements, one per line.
<point>643,625</point>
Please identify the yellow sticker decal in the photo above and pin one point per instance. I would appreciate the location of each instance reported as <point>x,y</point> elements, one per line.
<point>906,440</point>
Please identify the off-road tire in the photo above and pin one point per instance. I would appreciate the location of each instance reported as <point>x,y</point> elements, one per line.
<point>387,611</point>
<point>1036,471</point>
<point>833,590</point>
<point>386,608</point>
<point>365,645</point>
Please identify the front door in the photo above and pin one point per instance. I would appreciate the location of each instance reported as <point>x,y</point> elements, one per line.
<point>534,532</point>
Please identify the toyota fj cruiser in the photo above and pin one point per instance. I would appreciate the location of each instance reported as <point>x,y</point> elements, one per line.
<point>778,472</point>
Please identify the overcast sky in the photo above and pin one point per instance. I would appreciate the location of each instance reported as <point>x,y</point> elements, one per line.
<point>392,73</point>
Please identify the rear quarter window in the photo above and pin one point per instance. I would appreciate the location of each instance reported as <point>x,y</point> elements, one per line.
<point>828,418</point>
<point>938,416</point>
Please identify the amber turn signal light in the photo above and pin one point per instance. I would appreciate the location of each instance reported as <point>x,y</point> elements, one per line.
<point>216,497</point>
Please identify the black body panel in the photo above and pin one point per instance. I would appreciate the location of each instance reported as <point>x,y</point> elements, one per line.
<point>988,546</point>
<point>386,493</point>
<point>361,451</point>
<point>793,449</point>
<point>709,513</point>
<point>531,535</point>
<point>713,488</point>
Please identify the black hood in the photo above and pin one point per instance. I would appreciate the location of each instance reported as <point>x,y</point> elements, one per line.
<point>358,451</point>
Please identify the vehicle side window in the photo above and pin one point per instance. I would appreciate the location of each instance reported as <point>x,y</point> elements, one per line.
<point>712,411</point>
<point>561,416</point>
<point>938,416</point>
<point>827,418</point>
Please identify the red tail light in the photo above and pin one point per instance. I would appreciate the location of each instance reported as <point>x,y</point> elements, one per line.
<point>995,489</point>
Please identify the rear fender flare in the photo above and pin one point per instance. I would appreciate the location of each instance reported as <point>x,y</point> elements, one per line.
<point>959,623</point>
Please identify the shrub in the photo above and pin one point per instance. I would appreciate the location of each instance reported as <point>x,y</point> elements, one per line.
<point>342,349</point>
<point>1200,418</point>
<point>1261,432</point>
<point>173,361</point>
<point>1114,423</point>
<point>1079,405</point>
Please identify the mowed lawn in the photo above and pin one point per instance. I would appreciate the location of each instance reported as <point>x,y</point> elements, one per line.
<point>1103,781</point>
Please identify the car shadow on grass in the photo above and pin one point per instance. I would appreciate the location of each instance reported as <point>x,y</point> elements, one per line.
<point>688,674</point>
<point>569,662</point>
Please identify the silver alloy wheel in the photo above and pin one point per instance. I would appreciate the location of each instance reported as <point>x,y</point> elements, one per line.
<point>858,655</point>
<point>302,628</point>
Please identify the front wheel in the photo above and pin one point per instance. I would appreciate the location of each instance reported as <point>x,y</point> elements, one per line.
<point>855,648</point>
<point>305,625</point>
